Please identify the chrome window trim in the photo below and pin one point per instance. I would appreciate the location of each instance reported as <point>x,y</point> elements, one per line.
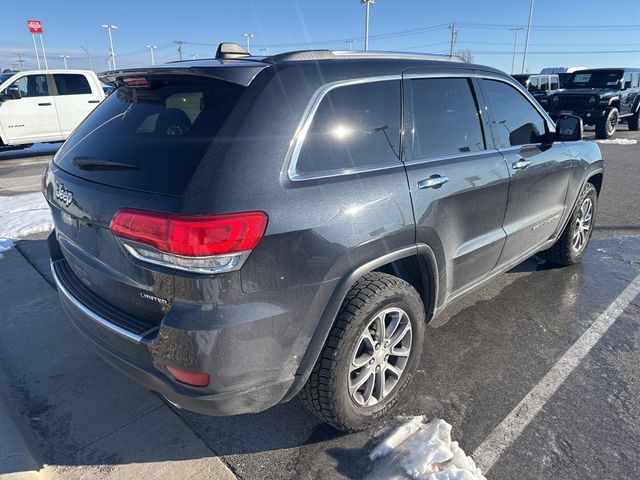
<point>301,132</point>
<point>452,156</point>
<point>307,118</point>
<point>91,314</point>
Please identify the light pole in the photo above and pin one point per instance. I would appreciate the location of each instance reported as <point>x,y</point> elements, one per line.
<point>526,43</point>
<point>64,58</point>
<point>86,50</point>
<point>247,36</point>
<point>367,4</point>
<point>151,49</point>
<point>350,43</point>
<point>112,54</point>
<point>515,48</point>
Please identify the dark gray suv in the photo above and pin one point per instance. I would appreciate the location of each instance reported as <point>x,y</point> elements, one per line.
<point>236,231</point>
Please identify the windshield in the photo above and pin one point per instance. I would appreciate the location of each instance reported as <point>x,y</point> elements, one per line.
<point>595,79</point>
<point>6,76</point>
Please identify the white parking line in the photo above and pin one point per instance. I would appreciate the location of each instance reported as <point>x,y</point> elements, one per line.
<point>508,431</point>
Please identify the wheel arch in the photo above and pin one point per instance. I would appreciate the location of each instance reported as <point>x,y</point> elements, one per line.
<point>416,264</point>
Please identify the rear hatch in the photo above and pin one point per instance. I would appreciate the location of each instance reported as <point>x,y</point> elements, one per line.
<point>137,150</point>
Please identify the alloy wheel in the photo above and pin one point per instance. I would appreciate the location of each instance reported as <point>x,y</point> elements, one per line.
<point>583,225</point>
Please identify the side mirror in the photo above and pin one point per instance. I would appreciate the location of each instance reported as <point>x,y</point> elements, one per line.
<point>13,92</point>
<point>626,85</point>
<point>569,128</point>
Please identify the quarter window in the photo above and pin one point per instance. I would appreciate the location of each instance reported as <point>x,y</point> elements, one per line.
<point>445,118</point>
<point>514,121</point>
<point>355,126</point>
<point>555,83</point>
<point>32,86</point>
<point>71,84</point>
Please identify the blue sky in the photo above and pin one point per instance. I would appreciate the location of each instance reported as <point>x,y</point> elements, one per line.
<point>562,31</point>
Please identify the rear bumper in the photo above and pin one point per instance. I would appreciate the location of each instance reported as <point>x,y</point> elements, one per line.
<point>133,355</point>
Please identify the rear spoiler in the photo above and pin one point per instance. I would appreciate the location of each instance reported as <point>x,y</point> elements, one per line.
<point>233,71</point>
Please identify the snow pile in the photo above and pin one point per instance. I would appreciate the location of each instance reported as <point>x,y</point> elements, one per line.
<point>5,244</point>
<point>619,141</point>
<point>422,450</point>
<point>24,215</point>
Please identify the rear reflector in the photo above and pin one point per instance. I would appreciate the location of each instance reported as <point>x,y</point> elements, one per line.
<point>196,379</point>
<point>191,236</point>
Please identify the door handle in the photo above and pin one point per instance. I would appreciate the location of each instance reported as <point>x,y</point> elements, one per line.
<point>434,181</point>
<point>44,104</point>
<point>94,101</point>
<point>521,164</point>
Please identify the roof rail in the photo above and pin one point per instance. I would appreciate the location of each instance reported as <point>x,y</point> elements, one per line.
<point>335,55</point>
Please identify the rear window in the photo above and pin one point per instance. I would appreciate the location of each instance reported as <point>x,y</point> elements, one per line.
<point>150,138</point>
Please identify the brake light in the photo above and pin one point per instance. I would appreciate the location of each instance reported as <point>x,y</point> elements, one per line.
<point>136,82</point>
<point>201,243</point>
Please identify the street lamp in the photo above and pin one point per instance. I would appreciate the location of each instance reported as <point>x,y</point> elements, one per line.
<point>151,49</point>
<point>247,36</point>
<point>112,54</point>
<point>526,43</point>
<point>86,51</point>
<point>64,58</point>
<point>367,4</point>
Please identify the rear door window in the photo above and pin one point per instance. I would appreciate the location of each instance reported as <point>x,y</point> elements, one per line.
<point>354,127</point>
<point>150,138</point>
<point>71,84</point>
<point>445,118</point>
<point>515,121</point>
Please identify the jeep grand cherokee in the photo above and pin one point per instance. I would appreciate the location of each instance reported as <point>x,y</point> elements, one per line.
<point>236,231</point>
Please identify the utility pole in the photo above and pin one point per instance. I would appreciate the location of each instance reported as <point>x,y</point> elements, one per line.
<point>20,60</point>
<point>151,49</point>
<point>86,51</point>
<point>64,58</point>
<point>112,54</point>
<point>515,48</point>
<point>350,43</point>
<point>526,43</point>
<point>454,37</point>
<point>248,36</point>
<point>179,43</point>
<point>263,51</point>
<point>367,4</point>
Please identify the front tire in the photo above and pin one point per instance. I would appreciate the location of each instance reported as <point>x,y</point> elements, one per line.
<point>606,126</point>
<point>573,242</point>
<point>634,121</point>
<point>370,355</point>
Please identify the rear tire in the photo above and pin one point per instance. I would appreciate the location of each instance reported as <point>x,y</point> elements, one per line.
<point>606,126</point>
<point>364,368</point>
<point>573,242</point>
<point>634,121</point>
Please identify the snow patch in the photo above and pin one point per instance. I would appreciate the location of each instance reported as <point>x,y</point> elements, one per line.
<point>5,244</point>
<point>24,215</point>
<point>619,141</point>
<point>421,450</point>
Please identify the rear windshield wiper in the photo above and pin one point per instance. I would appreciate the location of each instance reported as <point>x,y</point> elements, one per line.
<point>89,163</point>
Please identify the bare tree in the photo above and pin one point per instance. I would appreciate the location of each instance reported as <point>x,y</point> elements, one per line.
<point>466,55</point>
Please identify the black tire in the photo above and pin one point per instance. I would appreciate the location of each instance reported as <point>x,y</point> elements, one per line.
<point>563,252</point>
<point>606,126</point>
<point>326,392</point>
<point>634,121</point>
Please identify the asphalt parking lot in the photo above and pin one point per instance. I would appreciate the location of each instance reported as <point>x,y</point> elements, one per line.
<point>509,371</point>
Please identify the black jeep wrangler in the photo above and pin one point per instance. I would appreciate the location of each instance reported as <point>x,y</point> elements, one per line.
<point>602,97</point>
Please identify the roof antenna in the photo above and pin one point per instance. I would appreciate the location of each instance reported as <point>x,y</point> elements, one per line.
<point>231,50</point>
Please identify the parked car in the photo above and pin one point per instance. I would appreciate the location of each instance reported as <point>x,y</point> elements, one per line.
<point>539,85</point>
<point>233,232</point>
<point>45,105</point>
<point>601,97</point>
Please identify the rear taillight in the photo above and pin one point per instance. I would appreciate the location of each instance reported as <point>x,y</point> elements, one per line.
<point>205,244</point>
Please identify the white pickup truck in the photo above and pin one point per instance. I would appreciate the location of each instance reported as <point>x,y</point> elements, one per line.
<point>45,105</point>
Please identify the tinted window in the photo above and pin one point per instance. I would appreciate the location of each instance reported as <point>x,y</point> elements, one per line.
<point>595,79</point>
<point>71,84</point>
<point>544,83</point>
<point>554,83</point>
<point>163,132</point>
<point>354,126</point>
<point>445,118</point>
<point>515,121</point>
<point>32,86</point>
